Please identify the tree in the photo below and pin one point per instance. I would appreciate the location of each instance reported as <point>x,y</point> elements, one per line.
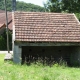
<point>71,6</point>
<point>53,5</point>
<point>3,40</point>
<point>21,6</point>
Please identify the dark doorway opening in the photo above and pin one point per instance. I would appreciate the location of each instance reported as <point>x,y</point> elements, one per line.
<point>46,54</point>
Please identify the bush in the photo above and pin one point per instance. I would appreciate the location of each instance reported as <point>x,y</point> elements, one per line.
<point>3,41</point>
<point>78,16</point>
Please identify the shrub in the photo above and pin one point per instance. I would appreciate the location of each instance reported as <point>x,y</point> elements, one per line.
<point>3,41</point>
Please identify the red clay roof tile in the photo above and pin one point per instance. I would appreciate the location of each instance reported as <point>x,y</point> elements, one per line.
<point>46,27</point>
<point>3,19</point>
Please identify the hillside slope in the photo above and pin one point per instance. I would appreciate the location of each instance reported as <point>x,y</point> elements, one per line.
<point>21,6</point>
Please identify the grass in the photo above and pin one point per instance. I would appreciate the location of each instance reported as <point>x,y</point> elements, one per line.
<point>11,71</point>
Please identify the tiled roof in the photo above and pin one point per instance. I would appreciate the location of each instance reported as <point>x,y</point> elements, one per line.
<point>46,27</point>
<point>2,11</point>
<point>3,19</point>
<point>2,25</point>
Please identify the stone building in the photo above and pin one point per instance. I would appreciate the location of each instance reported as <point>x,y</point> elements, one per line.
<point>46,35</point>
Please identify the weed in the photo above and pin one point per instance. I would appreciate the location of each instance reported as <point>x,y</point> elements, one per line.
<point>37,71</point>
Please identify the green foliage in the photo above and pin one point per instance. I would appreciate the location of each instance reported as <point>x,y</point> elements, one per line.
<point>2,4</point>
<point>3,41</point>
<point>71,6</point>
<point>21,6</point>
<point>78,16</point>
<point>68,6</point>
<point>11,71</point>
<point>53,5</point>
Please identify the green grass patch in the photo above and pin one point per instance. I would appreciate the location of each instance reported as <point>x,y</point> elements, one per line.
<point>11,71</point>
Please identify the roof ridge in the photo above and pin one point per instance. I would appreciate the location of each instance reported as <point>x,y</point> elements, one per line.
<point>43,12</point>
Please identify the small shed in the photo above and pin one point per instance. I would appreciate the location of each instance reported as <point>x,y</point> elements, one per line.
<point>50,36</point>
